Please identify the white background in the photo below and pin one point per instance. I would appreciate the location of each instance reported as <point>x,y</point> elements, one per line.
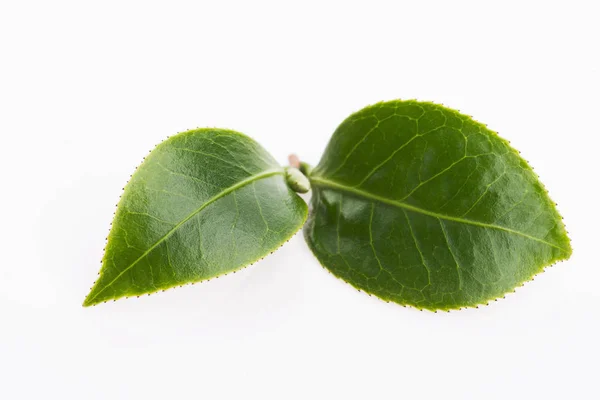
<point>87,89</point>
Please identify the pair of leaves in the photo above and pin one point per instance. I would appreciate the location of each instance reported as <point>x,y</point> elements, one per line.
<point>412,202</point>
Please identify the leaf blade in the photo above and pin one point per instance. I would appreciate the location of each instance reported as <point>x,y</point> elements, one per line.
<point>165,205</point>
<point>429,172</point>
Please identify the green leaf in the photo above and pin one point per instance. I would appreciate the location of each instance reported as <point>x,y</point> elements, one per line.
<point>419,204</point>
<point>204,203</point>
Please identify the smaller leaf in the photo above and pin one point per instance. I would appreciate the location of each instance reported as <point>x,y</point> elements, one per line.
<point>204,203</point>
<point>297,180</point>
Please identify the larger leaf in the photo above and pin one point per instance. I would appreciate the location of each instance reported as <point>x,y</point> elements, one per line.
<point>203,203</point>
<point>420,205</point>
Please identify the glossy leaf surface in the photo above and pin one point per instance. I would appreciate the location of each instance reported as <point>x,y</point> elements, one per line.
<point>419,204</point>
<point>203,203</point>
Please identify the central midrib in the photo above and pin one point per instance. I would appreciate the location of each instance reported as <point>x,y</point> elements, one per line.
<point>319,181</point>
<point>223,193</point>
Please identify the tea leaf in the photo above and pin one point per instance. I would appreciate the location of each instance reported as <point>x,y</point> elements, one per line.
<point>204,203</point>
<point>419,204</point>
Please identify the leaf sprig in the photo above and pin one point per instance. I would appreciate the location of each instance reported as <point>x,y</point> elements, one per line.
<point>412,202</point>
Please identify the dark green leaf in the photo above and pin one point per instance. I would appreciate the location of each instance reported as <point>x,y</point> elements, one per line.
<point>204,203</point>
<point>419,204</point>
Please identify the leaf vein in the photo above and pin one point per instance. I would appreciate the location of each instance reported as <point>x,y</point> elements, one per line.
<point>319,181</point>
